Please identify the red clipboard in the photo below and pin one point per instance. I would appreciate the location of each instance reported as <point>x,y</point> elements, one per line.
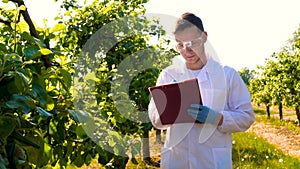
<point>172,100</point>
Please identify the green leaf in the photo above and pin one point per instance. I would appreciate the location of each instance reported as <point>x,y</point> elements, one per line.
<point>90,76</point>
<point>147,126</point>
<point>21,82</point>
<point>43,112</point>
<point>40,156</point>
<point>7,126</point>
<point>30,51</point>
<point>14,58</point>
<point>111,142</point>
<point>26,124</point>
<point>58,27</point>
<point>36,55</point>
<point>40,93</point>
<point>88,159</point>
<point>2,163</point>
<point>20,101</point>
<point>80,116</point>
<point>2,47</point>
<point>66,77</point>
<point>74,115</point>
<point>39,43</point>
<point>50,104</point>
<point>45,51</point>
<point>80,132</point>
<point>23,26</point>
<point>38,80</point>
<point>12,88</point>
<point>27,36</point>
<point>78,161</point>
<point>22,8</point>
<point>23,139</point>
<point>61,131</point>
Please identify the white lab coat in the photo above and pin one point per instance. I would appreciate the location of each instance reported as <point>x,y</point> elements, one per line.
<point>198,146</point>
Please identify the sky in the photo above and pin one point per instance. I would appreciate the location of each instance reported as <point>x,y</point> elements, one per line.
<point>242,32</point>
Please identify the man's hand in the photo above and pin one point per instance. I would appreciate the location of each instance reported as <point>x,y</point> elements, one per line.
<point>204,114</point>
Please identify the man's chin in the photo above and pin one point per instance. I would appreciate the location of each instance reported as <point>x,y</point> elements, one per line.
<point>193,61</point>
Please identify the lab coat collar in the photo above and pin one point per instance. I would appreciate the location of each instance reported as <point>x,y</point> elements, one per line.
<point>180,72</point>
<point>207,68</point>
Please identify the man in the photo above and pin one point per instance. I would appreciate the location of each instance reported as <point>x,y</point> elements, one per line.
<point>226,104</point>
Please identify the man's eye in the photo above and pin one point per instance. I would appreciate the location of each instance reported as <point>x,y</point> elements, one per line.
<point>180,45</point>
<point>188,44</point>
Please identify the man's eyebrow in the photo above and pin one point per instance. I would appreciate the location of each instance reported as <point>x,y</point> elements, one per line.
<point>177,40</point>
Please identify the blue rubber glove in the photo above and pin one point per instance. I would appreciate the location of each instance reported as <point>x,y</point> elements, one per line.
<point>203,114</point>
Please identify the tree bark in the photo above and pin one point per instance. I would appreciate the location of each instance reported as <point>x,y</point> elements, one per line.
<point>268,110</point>
<point>158,136</point>
<point>27,19</point>
<point>298,114</point>
<point>146,151</point>
<point>280,111</point>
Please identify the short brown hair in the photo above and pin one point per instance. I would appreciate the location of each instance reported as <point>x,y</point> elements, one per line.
<point>188,20</point>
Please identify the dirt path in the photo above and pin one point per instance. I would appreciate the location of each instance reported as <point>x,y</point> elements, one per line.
<point>287,140</point>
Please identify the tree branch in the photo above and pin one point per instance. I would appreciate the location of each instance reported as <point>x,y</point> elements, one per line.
<point>27,18</point>
<point>7,23</point>
<point>45,59</point>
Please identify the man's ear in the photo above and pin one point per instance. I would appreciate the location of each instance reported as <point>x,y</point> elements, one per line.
<point>204,36</point>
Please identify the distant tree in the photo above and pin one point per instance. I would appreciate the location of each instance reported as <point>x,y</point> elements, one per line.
<point>247,75</point>
<point>260,93</point>
<point>279,82</point>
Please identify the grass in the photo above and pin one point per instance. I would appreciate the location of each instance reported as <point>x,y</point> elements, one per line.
<point>250,151</point>
<point>288,124</point>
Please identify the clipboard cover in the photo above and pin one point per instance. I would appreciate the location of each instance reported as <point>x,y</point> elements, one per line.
<point>172,100</point>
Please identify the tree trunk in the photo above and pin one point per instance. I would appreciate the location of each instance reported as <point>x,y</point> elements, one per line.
<point>298,114</point>
<point>146,151</point>
<point>268,110</point>
<point>280,111</point>
<point>158,136</point>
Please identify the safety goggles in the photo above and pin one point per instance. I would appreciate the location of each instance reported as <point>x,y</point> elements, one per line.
<point>189,44</point>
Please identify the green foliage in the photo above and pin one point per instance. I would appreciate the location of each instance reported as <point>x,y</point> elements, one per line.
<point>247,75</point>
<point>259,91</point>
<point>34,103</point>
<point>39,123</point>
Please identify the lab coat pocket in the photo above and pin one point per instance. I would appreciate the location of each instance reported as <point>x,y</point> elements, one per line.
<point>222,158</point>
<point>165,158</point>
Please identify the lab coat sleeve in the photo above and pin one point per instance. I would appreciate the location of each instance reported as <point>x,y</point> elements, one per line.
<point>152,111</point>
<point>154,116</point>
<point>239,116</point>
